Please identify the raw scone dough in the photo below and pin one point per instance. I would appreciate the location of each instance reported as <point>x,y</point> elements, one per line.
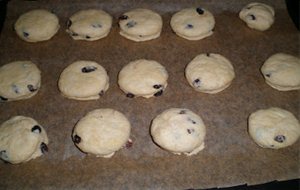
<point>282,72</point>
<point>274,128</point>
<point>22,139</point>
<point>179,131</point>
<point>102,132</point>
<point>37,25</point>
<point>140,25</point>
<point>209,73</point>
<point>89,25</point>
<point>146,78</point>
<point>19,80</point>
<point>193,23</point>
<point>83,80</point>
<point>258,16</point>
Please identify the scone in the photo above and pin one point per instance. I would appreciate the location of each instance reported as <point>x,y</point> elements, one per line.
<point>102,132</point>
<point>140,25</point>
<point>90,25</point>
<point>193,23</point>
<point>37,25</point>
<point>273,128</point>
<point>22,139</point>
<point>19,80</point>
<point>179,131</point>
<point>83,80</point>
<point>209,73</point>
<point>282,72</point>
<point>146,78</point>
<point>258,16</point>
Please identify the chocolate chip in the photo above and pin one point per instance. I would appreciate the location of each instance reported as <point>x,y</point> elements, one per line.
<point>268,75</point>
<point>123,17</point>
<point>200,11</point>
<point>131,24</point>
<point>140,36</point>
<point>159,93</point>
<point>96,25</point>
<point>15,88</point>
<point>25,34</point>
<point>157,86</point>
<point>280,138</point>
<point>76,139</point>
<point>31,88</point>
<point>87,37</point>
<point>74,34</point>
<point>182,112</point>
<point>189,26</point>
<point>197,82</point>
<point>190,120</point>
<point>129,95</point>
<point>69,23</point>
<point>3,99</point>
<point>207,54</point>
<point>88,69</point>
<point>190,131</point>
<point>252,17</point>
<point>101,93</point>
<point>129,143</point>
<point>36,129</point>
<point>44,148</point>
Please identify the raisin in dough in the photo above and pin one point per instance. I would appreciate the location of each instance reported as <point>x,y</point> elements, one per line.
<point>258,16</point>
<point>193,23</point>
<point>209,73</point>
<point>140,25</point>
<point>274,128</point>
<point>89,25</point>
<point>22,139</point>
<point>102,132</point>
<point>146,78</point>
<point>282,72</point>
<point>37,25</point>
<point>179,131</point>
<point>19,80</point>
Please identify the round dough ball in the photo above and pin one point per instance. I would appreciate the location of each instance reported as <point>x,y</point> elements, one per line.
<point>83,80</point>
<point>146,78</point>
<point>102,132</point>
<point>282,72</point>
<point>179,131</point>
<point>140,25</point>
<point>273,128</point>
<point>90,25</point>
<point>19,80</point>
<point>258,16</point>
<point>22,139</point>
<point>209,73</point>
<point>193,23</point>
<point>37,25</point>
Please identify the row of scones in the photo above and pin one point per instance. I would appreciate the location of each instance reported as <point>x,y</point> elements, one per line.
<point>137,25</point>
<point>87,80</point>
<point>104,131</point>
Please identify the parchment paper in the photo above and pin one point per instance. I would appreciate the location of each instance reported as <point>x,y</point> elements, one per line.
<point>230,157</point>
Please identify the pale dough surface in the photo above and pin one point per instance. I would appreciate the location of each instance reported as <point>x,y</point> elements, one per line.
<point>193,25</point>
<point>18,142</point>
<point>37,25</point>
<point>258,16</point>
<point>140,25</point>
<point>209,73</point>
<point>83,80</point>
<point>282,72</point>
<point>19,80</point>
<point>273,128</point>
<point>179,131</point>
<point>90,25</point>
<point>102,132</point>
<point>143,78</point>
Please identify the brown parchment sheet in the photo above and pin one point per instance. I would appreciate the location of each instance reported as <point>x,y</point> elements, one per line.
<point>230,156</point>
